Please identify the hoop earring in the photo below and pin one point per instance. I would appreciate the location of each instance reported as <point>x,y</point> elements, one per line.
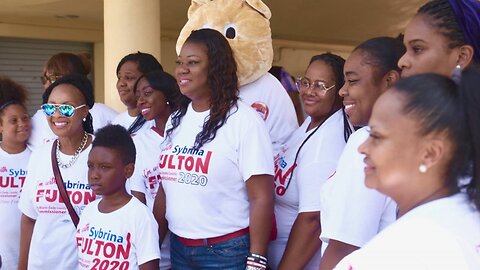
<point>422,168</point>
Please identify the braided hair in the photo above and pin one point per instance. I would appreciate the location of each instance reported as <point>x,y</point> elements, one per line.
<point>443,18</point>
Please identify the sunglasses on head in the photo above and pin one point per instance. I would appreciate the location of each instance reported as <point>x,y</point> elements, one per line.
<point>64,109</point>
<point>49,78</point>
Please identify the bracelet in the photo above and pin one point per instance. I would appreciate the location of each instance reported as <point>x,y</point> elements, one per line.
<point>256,262</point>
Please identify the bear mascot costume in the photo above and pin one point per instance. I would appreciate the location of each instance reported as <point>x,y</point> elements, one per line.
<point>246,25</point>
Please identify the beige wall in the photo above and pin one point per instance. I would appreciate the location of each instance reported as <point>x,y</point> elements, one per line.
<point>294,56</point>
<point>64,34</point>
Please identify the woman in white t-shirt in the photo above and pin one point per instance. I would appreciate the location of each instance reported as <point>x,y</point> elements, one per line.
<point>157,96</point>
<point>47,229</point>
<point>305,162</point>
<point>351,214</point>
<point>15,128</point>
<point>424,136</point>
<point>216,166</point>
<point>59,65</point>
<point>129,69</point>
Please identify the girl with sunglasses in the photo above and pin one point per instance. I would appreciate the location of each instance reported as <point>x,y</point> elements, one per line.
<point>57,66</point>
<point>15,128</point>
<point>305,162</point>
<point>48,223</point>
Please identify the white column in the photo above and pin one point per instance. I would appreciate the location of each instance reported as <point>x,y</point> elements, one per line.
<point>129,26</point>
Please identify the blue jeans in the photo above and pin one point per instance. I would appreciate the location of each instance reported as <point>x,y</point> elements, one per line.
<point>227,255</point>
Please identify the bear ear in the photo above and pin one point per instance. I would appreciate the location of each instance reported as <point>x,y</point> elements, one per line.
<point>259,6</point>
<point>195,5</point>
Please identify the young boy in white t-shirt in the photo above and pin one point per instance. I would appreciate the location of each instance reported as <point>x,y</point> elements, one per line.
<point>118,231</point>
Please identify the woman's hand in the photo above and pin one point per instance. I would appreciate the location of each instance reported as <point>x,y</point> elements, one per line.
<point>303,241</point>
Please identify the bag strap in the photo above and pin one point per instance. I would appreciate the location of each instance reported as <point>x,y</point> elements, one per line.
<point>61,186</point>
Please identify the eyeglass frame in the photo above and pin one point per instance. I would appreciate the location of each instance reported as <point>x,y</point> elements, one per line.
<point>323,91</point>
<point>50,78</point>
<point>57,108</point>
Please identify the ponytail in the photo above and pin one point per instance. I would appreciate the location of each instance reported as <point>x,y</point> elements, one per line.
<point>470,98</point>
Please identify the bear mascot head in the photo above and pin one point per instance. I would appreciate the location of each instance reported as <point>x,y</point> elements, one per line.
<point>246,25</point>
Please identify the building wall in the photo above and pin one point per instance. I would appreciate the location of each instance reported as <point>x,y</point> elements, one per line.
<point>293,56</point>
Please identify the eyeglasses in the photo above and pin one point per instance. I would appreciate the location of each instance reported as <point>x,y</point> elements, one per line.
<point>303,83</point>
<point>49,78</point>
<point>64,109</point>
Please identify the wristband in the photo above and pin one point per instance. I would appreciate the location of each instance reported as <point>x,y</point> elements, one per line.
<point>256,262</point>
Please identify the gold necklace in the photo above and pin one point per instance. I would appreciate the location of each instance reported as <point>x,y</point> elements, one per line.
<point>75,156</point>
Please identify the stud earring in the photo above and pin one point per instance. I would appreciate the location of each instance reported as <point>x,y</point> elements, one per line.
<point>84,119</point>
<point>422,168</point>
<point>168,103</point>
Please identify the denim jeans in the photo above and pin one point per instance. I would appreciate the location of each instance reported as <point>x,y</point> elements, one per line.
<point>227,255</point>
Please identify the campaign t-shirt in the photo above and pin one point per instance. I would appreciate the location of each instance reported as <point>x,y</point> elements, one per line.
<point>351,212</point>
<point>13,171</point>
<point>441,234</point>
<point>122,239</point>
<point>53,240</point>
<point>316,162</point>
<point>125,120</point>
<point>146,177</point>
<point>270,99</point>
<point>205,188</point>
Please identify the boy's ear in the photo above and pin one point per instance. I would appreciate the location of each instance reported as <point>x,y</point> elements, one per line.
<point>129,168</point>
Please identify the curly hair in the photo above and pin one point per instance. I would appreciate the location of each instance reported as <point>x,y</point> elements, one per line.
<point>222,81</point>
<point>11,93</point>
<point>117,138</point>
